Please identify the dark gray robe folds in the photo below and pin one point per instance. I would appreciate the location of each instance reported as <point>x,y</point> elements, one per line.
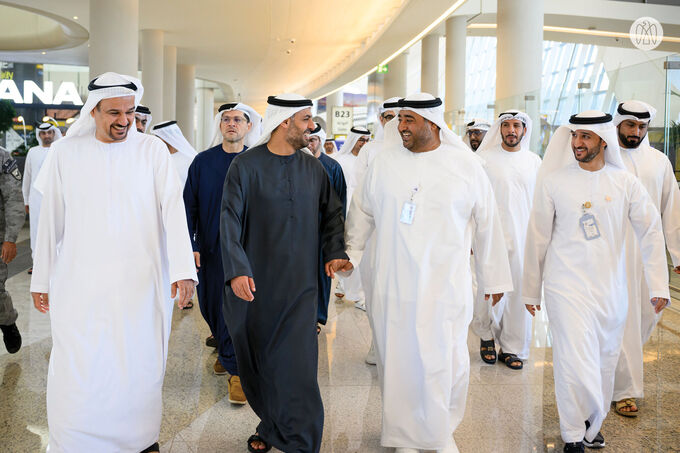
<point>274,210</point>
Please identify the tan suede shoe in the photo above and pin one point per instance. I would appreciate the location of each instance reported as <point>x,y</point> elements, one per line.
<point>218,369</point>
<point>236,395</point>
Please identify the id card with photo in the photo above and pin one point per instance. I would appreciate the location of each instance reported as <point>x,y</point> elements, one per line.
<point>589,227</point>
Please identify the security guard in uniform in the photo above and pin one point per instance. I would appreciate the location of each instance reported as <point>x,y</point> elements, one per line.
<point>12,217</point>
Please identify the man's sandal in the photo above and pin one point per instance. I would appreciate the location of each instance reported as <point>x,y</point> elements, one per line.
<point>488,348</point>
<point>509,359</point>
<point>256,438</point>
<point>629,403</point>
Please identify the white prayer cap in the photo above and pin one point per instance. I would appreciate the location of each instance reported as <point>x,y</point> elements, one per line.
<point>352,138</point>
<point>635,111</point>
<point>319,132</point>
<point>430,108</point>
<point>279,109</point>
<point>493,137</point>
<point>46,127</point>
<point>170,133</point>
<point>106,86</point>
<point>144,112</point>
<point>254,118</point>
<point>559,153</point>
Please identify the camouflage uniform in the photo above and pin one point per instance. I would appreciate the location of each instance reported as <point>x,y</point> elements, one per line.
<point>12,217</point>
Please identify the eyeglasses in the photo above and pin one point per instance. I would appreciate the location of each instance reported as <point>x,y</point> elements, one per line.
<point>236,120</point>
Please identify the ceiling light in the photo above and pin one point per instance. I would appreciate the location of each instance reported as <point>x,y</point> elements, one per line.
<point>419,36</point>
<point>75,17</point>
<point>579,31</point>
<point>43,52</point>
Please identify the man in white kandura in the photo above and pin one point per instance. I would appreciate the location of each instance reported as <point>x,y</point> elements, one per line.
<point>475,131</point>
<point>109,246</point>
<point>387,112</point>
<point>47,134</point>
<point>512,168</point>
<point>418,198</point>
<point>348,157</point>
<point>584,200</point>
<point>142,118</point>
<point>181,152</point>
<point>655,172</point>
<point>330,148</point>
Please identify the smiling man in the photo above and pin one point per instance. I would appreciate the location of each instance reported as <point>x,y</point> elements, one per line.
<point>110,257</point>
<point>575,257</point>
<point>417,200</point>
<point>278,210</point>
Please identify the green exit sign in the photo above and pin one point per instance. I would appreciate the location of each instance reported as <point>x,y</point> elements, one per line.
<point>382,69</point>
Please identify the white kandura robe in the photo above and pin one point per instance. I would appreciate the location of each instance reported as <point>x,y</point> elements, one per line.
<point>655,172</point>
<point>351,284</point>
<point>34,161</point>
<point>109,245</point>
<point>421,295</point>
<point>513,177</point>
<point>584,282</point>
<point>181,162</point>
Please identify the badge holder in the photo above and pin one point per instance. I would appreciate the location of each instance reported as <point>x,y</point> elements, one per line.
<point>408,211</point>
<point>588,223</point>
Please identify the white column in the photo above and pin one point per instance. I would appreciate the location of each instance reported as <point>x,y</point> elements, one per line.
<point>394,83</point>
<point>456,32</point>
<point>206,115</point>
<point>335,100</point>
<point>429,65</point>
<point>169,83</point>
<point>186,93</point>
<point>114,37</point>
<point>152,71</point>
<point>518,73</point>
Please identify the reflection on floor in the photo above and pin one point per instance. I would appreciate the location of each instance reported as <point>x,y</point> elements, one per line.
<point>507,411</point>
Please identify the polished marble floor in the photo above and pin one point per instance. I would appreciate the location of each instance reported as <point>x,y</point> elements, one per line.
<point>507,411</point>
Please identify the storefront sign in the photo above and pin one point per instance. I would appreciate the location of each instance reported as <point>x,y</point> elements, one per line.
<point>66,93</point>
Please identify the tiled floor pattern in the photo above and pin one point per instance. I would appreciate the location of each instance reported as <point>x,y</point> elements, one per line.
<point>507,411</point>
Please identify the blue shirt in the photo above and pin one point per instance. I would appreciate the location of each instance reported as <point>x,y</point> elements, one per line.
<point>203,197</point>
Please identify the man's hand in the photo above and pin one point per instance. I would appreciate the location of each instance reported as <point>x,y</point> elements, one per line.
<point>197,259</point>
<point>41,302</point>
<point>676,270</point>
<point>26,208</point>
<point>334,266</point>
<point>9,252</point>
<point>243,287</point>
<point>532,309</point>
<point>186,291</point>
<point>659,304</point>
<point>494,298</point>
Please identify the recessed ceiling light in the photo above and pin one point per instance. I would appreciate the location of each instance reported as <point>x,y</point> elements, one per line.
<point>43,53</point>
<point>288,51</point>
<point>75,17</point>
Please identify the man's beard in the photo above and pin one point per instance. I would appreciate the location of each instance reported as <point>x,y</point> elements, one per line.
<point>519,141</point>
<point>113,137</point>
<point>474,144</point>
<point>296,137</point>
<point>628,143</point>
<point>590,155</point>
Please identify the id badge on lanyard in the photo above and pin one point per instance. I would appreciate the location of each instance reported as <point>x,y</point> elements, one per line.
<point>588,223</point>
<point>408,211</point>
